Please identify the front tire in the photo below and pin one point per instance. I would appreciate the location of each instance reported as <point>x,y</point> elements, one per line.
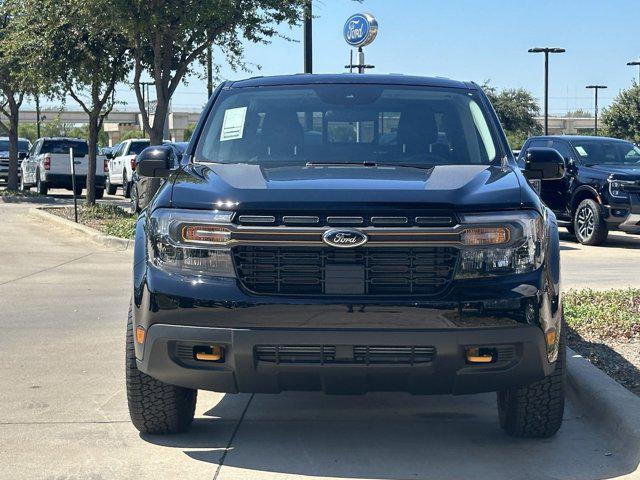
<point>155,407</point>
<point>126,185</point>
<point>99,193</point>
<point>134,206</point>
<point>111,189</point>
<point>536,410</point>
<point>589,226</point>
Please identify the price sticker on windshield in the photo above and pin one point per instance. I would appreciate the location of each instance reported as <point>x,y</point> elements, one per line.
<point>233,124</point>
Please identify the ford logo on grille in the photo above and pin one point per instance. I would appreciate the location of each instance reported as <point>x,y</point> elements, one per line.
<point>344,238</point>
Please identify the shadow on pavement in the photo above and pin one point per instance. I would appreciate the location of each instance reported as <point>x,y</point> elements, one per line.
<point>392,436</point>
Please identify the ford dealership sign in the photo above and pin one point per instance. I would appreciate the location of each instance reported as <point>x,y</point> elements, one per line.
<point>360,29</point>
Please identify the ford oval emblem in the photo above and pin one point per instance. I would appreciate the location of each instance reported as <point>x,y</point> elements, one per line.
<point>360,29</point>
<point>344,238</point>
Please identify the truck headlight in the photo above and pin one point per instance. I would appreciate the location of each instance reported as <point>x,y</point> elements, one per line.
<point>502,243</point>
<point>193,241</point>
<point>617,188</point>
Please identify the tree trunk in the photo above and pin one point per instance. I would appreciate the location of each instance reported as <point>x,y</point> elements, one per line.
<point>14,165</point>
<point>156,132</point>
<point>94,129</point>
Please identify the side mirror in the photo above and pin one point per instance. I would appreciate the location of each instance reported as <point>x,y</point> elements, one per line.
<point>154,161</point>
<point>22,155</point>
<point>543,163</point>
<point>108,155</point>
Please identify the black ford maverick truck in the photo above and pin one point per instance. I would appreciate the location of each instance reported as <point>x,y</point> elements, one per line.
<point>347,233</point>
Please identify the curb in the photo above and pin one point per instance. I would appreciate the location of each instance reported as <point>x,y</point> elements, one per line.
<point>91,233</point>
<point>611,406</point>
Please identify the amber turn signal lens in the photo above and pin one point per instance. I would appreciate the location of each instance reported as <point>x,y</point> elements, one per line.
<point>209,353</point>
<point>485,236</point>
<point>206,234</point>
<point>480,355</point>
<point>140,334</point>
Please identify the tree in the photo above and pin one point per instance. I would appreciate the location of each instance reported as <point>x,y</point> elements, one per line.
<point>81,47</point>
<point>168,36</point>
<point>622,118</point>
<point>16,81</point>
<point>516,108</point>
<point>578,113</point>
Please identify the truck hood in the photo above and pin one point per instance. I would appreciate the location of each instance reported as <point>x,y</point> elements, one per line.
<point>450,187</point>
<point>630,172</point>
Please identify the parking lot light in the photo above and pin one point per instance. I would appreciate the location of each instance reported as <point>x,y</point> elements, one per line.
<point>546,51</point>
<point>596,88</point>
<point>635,63</point>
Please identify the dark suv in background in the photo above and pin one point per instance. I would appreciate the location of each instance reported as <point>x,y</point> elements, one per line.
<point>600,190</point>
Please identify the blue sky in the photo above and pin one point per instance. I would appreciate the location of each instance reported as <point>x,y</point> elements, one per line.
<point>468,40</point>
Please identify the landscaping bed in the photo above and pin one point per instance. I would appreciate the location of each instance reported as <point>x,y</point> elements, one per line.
<point>604,327</point>
<point>5,193</point>
<point>108,219</point>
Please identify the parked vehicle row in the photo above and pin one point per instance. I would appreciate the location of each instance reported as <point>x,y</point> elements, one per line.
<point>600,190</point>
<point>23,148</point>
<point>47,165</point>
<point>122,164</point>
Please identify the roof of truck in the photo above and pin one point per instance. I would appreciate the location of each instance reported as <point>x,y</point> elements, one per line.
<point>346,78</point>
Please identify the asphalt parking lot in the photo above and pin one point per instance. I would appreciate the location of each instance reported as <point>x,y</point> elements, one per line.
<point>63,304</point>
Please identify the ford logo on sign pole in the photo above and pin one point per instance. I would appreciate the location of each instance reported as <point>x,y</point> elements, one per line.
<point>359,31</point>
<point>344,238</point>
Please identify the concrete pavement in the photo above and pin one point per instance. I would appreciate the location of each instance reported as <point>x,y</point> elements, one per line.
<point>63,303</point>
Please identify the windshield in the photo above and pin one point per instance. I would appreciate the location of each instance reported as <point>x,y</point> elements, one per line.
<point>349,123</point>
<point>607,151</point>
<point>23,146</point>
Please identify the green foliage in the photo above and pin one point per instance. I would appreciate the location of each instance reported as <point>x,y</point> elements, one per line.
<point>109,219</point>
<point>168,37</point>
<point>516,108</point>
<point>578,113</point>
<point>57,128</point>
<point>127,134</point>
<point>5,192</point>
<point>189,131</point>
<point>80,47</point>
<point>622,118</point>
<point>603,314</point>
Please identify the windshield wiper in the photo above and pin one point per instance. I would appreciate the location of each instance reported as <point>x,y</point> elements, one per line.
<point>368,164</point>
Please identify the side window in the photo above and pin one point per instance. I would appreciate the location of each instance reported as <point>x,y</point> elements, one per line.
<point>540,143</point>
<point>563,148</point>
<point>124,149</point>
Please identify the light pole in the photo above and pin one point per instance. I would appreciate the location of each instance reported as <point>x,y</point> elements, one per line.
<point>546,51</point>
<point>596,88</point>
<point>308,37</point>
<point>635,63</point>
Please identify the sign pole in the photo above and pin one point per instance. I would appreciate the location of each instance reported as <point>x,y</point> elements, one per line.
<point>73,183</point>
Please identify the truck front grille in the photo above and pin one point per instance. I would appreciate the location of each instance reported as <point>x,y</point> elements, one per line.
<point>349,354</point>
<point>330,271</point>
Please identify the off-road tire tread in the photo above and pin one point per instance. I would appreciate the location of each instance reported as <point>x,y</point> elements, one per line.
<point>536,410</point>
<point>155,407</point>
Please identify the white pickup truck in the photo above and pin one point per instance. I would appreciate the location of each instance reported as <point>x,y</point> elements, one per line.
<point>122,164</point>
<point>48,166</point>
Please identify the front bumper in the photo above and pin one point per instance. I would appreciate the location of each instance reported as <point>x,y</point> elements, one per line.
<point>625,215</point>
<point>168,357</point>
<point>179,314</point>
